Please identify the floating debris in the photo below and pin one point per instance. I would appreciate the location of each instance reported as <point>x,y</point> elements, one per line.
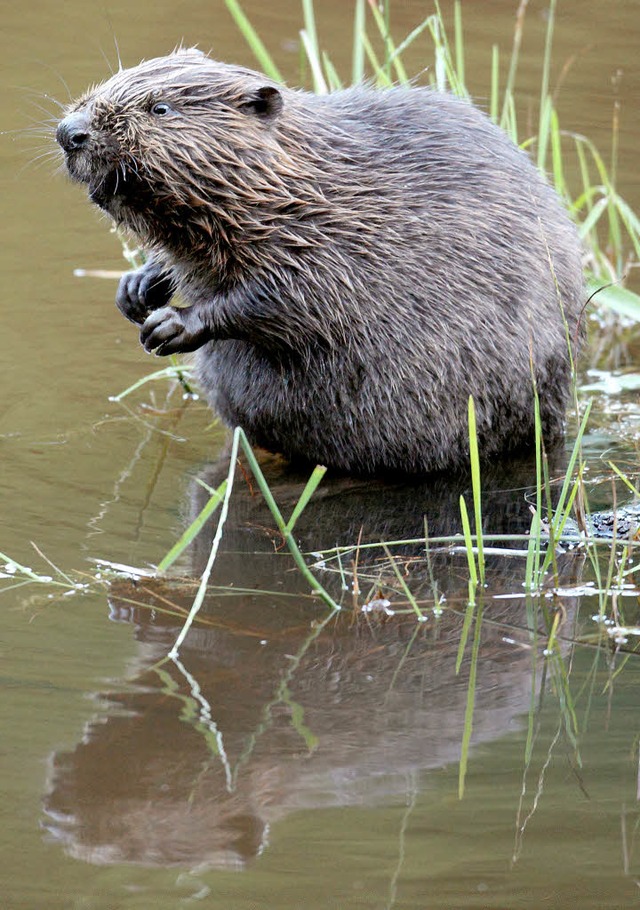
<point>379,605</point>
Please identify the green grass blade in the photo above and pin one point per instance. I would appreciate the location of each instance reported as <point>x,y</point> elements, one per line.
<point>623,477</point>
<point>548,43</point>
<point>25,570</point>
<point>254,41</point>
<point>446,73</point>
<point>173,372</point>
<point>440,69</point>
<point>311,50</point>
<point>545,99</point>
<point>508,104</point>
<point>333,80</point>
<point>280,522</point>
<point>556,156</point>
<point>470,707</point>
<point>405,587</point>
<point>466,626</point>
<point>215,500</point>
<point>297,720</point>
<point>583,164</point>
<point>593,218</point>
<point>565,699</point>
<point>540,464</point>
<point>309,37</point>
<point>468,542</point>
<point>312,484</point>
<point>411,37</point>
<point>528,748</point>
<point>310,25</point>
<point>544,133</point>
<point>458,41</point>
<point>382,78</point>
<point>631,223</point>
<point>575,452</point>
<point>510,123</point>
<point>533,553</point>
<point>358,53</point>
<point>388,45</point>
<point>476,485</point>
<point>391,57</point>
<point>190,711</point>
<point>567,496</point>
<point>535,544</point>
<point>495,82</point>
<point>620,300</point>
<point>615,234</point>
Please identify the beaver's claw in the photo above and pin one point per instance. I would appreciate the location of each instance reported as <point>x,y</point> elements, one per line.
<point>143,291</point>
<point>174,331</point>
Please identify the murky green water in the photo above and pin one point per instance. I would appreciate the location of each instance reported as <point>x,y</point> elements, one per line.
<point>282,762</point>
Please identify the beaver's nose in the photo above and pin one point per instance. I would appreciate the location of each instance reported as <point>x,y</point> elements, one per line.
<point>73,132</point>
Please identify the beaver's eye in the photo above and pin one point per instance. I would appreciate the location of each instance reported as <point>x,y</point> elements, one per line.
<point>161,108</point>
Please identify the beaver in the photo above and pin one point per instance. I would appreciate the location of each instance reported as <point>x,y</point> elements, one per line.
<point>353,265</point>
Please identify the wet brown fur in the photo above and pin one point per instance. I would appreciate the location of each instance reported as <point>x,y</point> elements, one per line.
<point>356,265</point>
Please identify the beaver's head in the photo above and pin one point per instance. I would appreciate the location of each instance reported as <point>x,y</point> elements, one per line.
<point>178,141</point>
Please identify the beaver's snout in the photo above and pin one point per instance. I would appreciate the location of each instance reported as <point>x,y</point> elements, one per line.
<point>73,132</point>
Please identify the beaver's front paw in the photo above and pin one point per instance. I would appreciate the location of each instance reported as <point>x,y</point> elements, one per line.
<point>173,331</point>
<point>143,291</point>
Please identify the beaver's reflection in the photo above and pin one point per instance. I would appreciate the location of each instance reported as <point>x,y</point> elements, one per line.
<point>271,709</point>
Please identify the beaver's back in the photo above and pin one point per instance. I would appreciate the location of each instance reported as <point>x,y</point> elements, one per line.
<point>446,261</point>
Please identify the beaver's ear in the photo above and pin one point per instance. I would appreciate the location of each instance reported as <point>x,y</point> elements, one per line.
<point>264,102</point>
